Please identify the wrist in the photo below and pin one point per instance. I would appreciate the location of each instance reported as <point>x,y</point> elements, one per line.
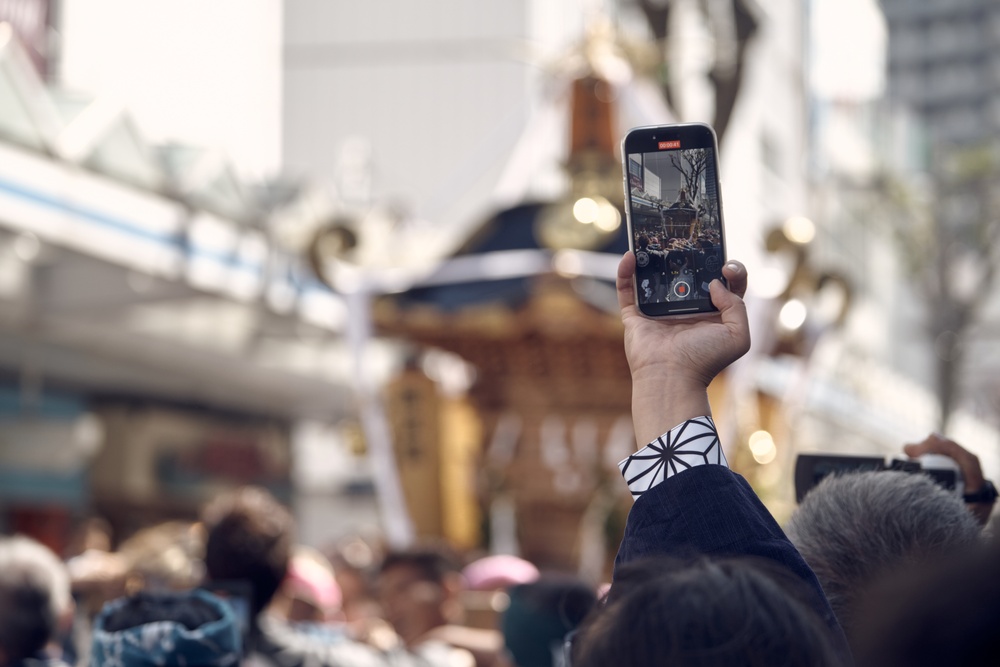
<point>692,443</point>
<point>659,406</point>
<point>986,493</point>
<point>668,376</point>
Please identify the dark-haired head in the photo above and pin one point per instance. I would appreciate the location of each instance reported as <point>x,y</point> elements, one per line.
<point>432,563</point>
<point>540,615</point>
<point>250,536</point>
<point>704,613</point>
<point>934,613</point>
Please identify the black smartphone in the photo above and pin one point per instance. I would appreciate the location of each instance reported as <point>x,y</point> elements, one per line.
<point>673,205</point>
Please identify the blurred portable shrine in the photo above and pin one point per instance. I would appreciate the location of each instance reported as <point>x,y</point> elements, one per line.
<point>528,304</point>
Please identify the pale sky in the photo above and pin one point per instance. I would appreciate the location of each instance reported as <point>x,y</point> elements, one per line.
<point>202,72</point>
<point>848,49</point>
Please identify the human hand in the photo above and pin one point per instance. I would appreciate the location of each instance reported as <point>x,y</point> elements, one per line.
<point>968,463</point>
<point>674,359</point>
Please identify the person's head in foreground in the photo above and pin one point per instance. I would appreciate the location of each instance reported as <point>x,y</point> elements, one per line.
<point>704,613</point>
<point>935,614</point>
<point>855,529</point>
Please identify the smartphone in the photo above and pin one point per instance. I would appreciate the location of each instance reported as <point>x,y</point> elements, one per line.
<point>673,206</point>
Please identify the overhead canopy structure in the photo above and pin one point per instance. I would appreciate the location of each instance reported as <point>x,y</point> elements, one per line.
<point>133,269</point>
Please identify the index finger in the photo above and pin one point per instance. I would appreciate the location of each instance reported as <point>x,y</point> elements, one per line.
<point>623,281</point>
<point>736,277</point>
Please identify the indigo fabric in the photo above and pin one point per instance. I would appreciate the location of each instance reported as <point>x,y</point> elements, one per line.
<point>160,643</point>
<point>709,510</point>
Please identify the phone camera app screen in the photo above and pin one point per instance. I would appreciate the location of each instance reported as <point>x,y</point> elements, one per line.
<point>676,224</point>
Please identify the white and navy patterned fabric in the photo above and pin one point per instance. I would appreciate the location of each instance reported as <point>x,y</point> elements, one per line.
<point>167,643</point>
<point>693,443</point>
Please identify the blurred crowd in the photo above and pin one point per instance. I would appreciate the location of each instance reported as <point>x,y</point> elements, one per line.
<point>882,569</point>
<point>235,588</point>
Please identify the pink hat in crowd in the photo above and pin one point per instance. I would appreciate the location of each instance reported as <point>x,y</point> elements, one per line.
<point>500,571</point>
<point>310,580</point>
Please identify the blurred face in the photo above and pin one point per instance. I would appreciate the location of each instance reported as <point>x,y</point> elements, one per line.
<point>301,610</point>
<point>411,604</point>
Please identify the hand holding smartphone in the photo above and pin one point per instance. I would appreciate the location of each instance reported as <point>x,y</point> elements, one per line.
<point>673,205</point>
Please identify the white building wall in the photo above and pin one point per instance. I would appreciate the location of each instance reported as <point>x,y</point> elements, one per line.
<point>416,105</point>
<point>438,91</point>
<point>202,73</point>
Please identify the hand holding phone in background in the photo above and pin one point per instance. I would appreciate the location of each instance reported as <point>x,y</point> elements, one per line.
<point>978,492</point>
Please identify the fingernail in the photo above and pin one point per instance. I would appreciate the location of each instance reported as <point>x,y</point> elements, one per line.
<point>733,266</point>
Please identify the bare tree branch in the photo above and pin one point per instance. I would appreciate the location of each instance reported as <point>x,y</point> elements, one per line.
<point>948,235</point>
<point>691,164</point>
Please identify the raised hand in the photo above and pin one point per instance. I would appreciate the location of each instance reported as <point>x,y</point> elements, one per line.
<point>674,359</point>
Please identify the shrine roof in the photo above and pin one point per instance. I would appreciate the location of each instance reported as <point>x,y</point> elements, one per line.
<point>509,230</point>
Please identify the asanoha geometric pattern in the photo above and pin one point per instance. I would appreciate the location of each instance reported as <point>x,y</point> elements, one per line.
<point>693,443</point>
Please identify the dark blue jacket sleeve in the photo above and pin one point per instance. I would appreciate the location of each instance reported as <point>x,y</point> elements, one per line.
<point>710,510</point>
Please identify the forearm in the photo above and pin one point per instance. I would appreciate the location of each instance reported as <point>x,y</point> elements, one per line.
<point>660,404</point>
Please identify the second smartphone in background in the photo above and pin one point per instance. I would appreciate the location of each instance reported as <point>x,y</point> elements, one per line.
<point>673,204</point>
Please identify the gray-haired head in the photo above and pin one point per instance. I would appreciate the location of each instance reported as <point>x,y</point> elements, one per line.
<point>853,529</point>
<point>34,593</point>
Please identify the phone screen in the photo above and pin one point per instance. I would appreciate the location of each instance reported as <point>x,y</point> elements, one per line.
<point>675,216</point>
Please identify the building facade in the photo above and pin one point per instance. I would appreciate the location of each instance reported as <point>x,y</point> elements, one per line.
<point>944,64</point>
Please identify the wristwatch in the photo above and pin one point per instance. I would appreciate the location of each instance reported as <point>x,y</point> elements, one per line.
<point>987,494</point>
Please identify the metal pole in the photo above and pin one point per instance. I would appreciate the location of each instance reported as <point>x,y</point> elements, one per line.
<point>375,425</point>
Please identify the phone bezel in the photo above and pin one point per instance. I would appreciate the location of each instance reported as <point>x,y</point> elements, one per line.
<point>646,140</point>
